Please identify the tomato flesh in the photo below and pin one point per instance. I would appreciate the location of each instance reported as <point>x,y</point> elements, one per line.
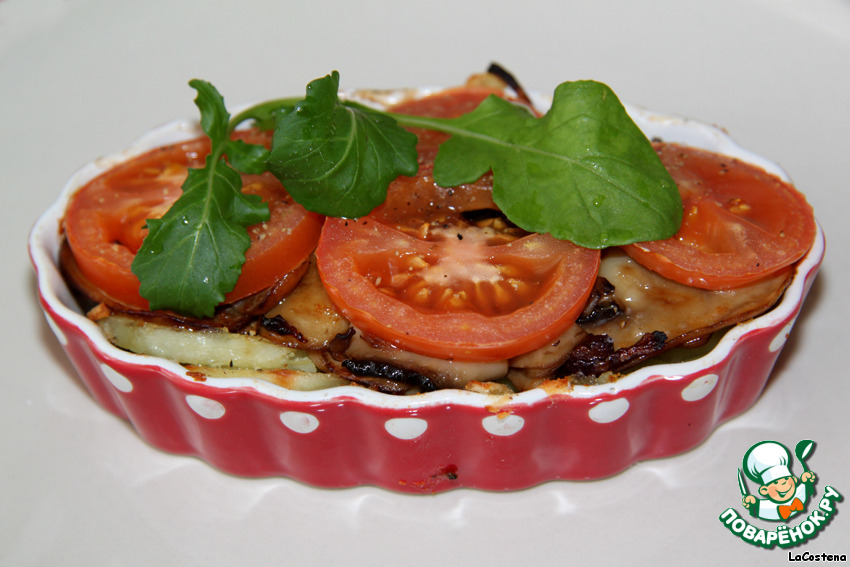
<point>740,223</point>
<point>105,220</point>
<point>456,270</point>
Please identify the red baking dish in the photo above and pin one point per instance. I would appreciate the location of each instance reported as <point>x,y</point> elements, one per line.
<point>348,435</point>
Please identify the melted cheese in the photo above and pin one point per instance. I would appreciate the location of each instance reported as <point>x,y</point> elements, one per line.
<point>651,302</point>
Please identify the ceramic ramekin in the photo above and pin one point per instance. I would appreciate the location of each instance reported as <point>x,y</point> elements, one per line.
<point>348,435</point>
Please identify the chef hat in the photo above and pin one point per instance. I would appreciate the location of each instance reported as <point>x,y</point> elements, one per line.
<point>767,461</point>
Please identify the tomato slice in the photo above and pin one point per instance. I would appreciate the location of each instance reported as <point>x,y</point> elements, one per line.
<point>105,219</point>
<point>453,291</point>
<point>741,223</point>
<point>417,274</point>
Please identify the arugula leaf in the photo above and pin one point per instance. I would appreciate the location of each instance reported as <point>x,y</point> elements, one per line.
<point>583,172</point>
<point>338,158</point>
<point>264,115</point>
<point>247,158</point>
<point>193,255</point>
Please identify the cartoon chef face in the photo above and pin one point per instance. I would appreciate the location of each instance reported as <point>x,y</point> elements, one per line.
<point>768,464</point>
<point>780,490</point>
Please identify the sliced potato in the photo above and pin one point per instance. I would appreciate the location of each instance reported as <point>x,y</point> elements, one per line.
<point>290,379</point>
<point>207,347</point>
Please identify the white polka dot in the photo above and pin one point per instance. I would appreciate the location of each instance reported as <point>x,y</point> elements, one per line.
<point>121,383</point>
<point>406,427</point>
<point>606,412</point>
<point>503,425</point>
<point>60,336</point>
<point>699,388</point>
<point>779,340</point>
<point>299,422</point>
<point>205,407</point>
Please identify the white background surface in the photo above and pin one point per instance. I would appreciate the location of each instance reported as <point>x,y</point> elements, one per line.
<point>83,78</point>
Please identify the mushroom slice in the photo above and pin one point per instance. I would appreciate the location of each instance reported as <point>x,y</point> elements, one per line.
<point>376,364</point>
